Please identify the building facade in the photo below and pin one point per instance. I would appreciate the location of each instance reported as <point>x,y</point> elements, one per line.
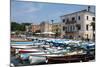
<point>45,27</point>
<point>35,28</point>
<point>77,25</point>
<point>32,29</point>
<point>56,28</point>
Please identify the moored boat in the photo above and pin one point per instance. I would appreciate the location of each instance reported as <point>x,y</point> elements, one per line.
<point>29,50</point>
<point>37,59</point>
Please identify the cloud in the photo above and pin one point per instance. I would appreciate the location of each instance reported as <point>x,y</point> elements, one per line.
<point>28,10</point>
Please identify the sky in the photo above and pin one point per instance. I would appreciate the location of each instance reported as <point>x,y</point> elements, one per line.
<point>36,12</point>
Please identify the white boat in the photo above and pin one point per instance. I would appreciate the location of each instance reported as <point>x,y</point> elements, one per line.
<point>43,58</point>
<point>25,55</point>
<point>36,59</point>
<point>21,44</point>
<point>29,50</point>
<point>36,53</point>
<point>23,47</point>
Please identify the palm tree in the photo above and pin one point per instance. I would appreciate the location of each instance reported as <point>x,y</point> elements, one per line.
<point>52,24</point>
<point>93,29</point>
<point>52,21</point>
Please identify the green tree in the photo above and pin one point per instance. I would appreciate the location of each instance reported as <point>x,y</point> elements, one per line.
<point>26,24</point>
<point>15,26</point>
<point>19,27</point>
<point>93,28</point>
<point>93,25</point>
<point>23,26</point>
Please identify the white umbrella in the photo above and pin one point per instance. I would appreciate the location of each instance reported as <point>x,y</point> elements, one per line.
<point>37,33</point>
<point>48,33</point>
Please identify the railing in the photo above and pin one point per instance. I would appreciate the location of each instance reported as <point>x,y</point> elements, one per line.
<point>70,22</point>
<point>73,31</point>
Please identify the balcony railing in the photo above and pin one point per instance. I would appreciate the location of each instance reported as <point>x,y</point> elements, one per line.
<point>70,22</point>
<point>73,31</point>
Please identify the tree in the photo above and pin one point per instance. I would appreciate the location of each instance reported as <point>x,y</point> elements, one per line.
<point>93,29</point>
<point>78,26</point>
<point>15,26</point>
<point>22,27</point>
<point>26,24</point>
<point>19,27</point>
<point>93,25</point>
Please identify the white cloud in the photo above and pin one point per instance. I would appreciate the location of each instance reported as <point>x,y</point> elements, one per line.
<point>29,10</point>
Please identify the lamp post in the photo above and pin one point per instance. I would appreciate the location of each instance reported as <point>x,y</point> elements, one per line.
<point>52,25</point>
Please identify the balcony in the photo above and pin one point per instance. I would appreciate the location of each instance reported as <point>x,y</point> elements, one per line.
<point>71,31</point>
<point>70,22</point>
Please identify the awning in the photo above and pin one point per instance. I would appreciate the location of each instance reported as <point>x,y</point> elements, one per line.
<point>47,33</point>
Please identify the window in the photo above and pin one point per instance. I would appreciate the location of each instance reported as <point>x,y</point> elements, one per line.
<point>73,28</point>
<point>63,20</point>
<point>78,17</point>
<point>79,36</point>
<point>73,18</point>
<point>66,28</point>
<point>87,27</point>
<point>78,27</point>
<point>93,18</point>
<point>63,28</point>
<point>70,28</point>
<point>87,17</point>
<point>67,20</point>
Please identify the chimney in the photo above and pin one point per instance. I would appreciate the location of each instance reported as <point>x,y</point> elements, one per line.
<point>88,8</point>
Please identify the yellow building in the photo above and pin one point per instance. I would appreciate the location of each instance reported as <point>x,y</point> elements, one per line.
<point>35,28</point>
<point>56,28</point>
<point>45,27</point>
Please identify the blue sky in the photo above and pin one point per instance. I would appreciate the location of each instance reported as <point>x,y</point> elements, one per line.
<point>35,12</point>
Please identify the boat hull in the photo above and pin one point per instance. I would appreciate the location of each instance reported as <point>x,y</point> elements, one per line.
<point>70,58</point>
<point>37,59</point>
